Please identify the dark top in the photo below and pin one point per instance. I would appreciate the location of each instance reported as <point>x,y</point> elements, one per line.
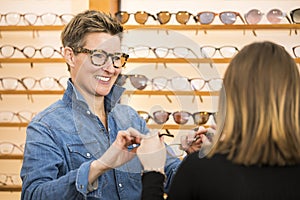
<point>218,178</point>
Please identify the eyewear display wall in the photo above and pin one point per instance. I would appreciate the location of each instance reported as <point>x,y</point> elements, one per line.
<point>253,16</point>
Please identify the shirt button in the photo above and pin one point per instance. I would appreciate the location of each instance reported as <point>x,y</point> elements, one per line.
<point>81,186</point>
<point>88,155</point>
<point>120,185</point>
<point>88,112</point>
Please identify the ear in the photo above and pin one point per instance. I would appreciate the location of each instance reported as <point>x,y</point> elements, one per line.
<point>69,56</point>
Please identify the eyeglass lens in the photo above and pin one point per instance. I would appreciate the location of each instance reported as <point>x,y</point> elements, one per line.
<point>295,15</point>
<point>8,148</point>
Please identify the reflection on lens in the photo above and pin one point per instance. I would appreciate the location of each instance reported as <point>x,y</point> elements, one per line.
<point>228,17</point>
<point>275,16</point>
<point>253,16</point>
<point>139,81</point>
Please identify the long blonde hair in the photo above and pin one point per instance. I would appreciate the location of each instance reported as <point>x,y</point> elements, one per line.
<point>261,116</point>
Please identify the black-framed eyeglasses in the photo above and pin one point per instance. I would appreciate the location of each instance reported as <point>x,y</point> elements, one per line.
<point>99,57</point>
<point>296,51</point>
<point>295,15</point>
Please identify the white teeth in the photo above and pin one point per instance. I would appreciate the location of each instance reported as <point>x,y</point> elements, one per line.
<point>101,78</point>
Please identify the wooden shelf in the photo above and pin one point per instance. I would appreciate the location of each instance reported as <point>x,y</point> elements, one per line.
<point>32,60</point>
<point>171,27</point>
<point>153,126</point>
<point>127,92</point>
<point>32,28</point>
<point>28,92</point>
<point>130,60</point>
<point>171,126</point>
<point>217,27</point>
<point>10,188</point>
<point>13,124</point>
<point>11,157</point>
<point>171,93</point>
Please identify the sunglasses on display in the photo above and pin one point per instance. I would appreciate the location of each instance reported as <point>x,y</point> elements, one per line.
<point>228,51</point>
<point>14,18</point>
<point>180,117</point>
<point>100,57</point>
<point>140,17</point>
<point>295,15</point>
<point>182,17</point>
<point>274,16</point>
<point>226,17</point>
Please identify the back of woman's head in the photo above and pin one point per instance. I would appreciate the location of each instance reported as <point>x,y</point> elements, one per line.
<point>262,123</point>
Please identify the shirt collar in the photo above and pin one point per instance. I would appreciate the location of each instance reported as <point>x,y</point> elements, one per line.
<point>110,100</point>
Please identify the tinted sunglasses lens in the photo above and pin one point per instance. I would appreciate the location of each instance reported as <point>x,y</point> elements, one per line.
<point>200,118</point>
<point>206,17</point>
<point>121,80</point>
<point>275,16</point>
<point>122,17</point>
<point>295,15</point>
<point>161,117</point>
<point>228,17</point>
<point>163,17</point>
<point>139,81</point>
<point>182,17</point>
<point>253,16</point>
<point>141,17</point>
<point>181,117</point>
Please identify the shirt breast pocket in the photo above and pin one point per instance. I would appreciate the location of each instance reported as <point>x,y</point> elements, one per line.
<point>78,155</point>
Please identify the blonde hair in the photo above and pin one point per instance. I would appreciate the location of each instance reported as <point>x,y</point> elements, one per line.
<point>262,107</point>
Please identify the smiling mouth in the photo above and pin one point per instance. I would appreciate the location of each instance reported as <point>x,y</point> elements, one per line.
<point>101,78</point>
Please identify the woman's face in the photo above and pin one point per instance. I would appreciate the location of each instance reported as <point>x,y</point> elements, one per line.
<point>94,80</point>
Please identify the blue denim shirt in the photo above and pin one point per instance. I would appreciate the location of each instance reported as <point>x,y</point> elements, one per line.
<point>66,137</point>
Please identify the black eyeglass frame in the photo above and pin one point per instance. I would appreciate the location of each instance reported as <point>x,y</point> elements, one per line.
<point>111,55</point>
<point>292,13</point>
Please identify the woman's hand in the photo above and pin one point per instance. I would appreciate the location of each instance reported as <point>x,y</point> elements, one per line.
<point>152,153</point>
<point>193,142</point>
<point>117,154</point>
